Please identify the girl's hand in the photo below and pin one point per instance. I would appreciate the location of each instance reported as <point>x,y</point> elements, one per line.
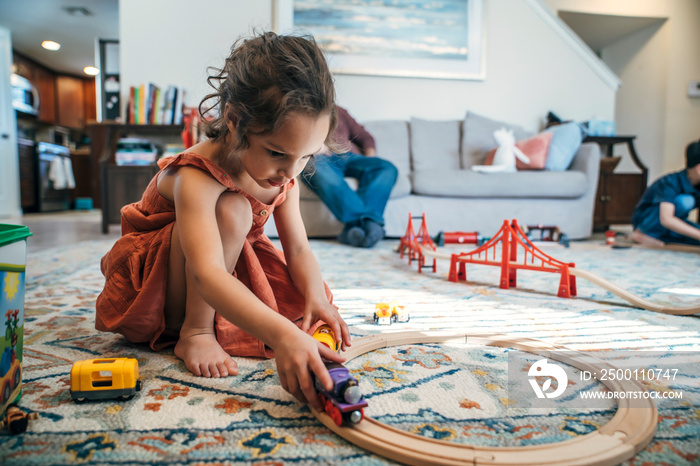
<point>298,361</point>
<point>328,313</point>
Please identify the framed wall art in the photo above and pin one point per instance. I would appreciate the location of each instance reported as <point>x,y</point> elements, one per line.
<point>406,38</point>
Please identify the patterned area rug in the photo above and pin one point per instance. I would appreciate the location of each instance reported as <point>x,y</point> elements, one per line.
<point>453,393</point>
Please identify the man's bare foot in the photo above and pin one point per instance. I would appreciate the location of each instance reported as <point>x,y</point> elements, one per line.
<point>204,356</point>
<point>646,240</point>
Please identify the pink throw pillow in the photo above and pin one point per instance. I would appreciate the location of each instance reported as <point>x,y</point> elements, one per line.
<point>536,148</point>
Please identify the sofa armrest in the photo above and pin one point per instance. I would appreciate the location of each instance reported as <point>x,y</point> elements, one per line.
<point>587,160</point>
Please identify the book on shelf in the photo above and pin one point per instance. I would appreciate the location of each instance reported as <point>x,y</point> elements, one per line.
<point>150,105</point>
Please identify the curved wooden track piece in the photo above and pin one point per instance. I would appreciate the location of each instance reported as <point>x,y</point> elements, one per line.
<point>626,433</point>
<point>603,283</point>
<point>632,298</point>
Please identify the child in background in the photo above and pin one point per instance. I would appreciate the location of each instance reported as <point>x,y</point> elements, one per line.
<point>662,214</point>
<point>193,267</point>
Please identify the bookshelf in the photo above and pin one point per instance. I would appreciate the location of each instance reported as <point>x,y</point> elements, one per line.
<point>114,185</point>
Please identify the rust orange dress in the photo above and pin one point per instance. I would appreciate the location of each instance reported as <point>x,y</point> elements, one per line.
<point>136,269</point>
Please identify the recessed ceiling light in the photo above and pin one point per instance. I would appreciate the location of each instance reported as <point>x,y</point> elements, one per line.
<point>91,70</point>
<point>51,45</point>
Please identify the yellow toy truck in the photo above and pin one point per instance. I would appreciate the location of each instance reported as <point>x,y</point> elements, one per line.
<point>386,313</point>
<point>102,379</point>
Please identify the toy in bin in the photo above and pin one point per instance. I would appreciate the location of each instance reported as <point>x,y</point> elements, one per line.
<point>386,313</point>
<point>104,379</point>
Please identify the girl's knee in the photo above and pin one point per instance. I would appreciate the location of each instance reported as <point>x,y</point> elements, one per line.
<point>234,214</point>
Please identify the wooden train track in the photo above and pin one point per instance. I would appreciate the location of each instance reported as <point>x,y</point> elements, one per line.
<point>511,239</point>
<point>607,285</point>
<point>627,432</point>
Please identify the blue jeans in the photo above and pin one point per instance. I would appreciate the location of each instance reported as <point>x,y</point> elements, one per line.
<point>651,222</point>
<point>376,178</point>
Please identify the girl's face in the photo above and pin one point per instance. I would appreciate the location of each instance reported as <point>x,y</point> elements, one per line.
<point>274,159</point>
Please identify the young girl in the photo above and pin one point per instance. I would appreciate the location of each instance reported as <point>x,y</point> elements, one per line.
<point>193,266</point>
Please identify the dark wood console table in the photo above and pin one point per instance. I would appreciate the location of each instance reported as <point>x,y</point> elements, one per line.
<point>618,193</point>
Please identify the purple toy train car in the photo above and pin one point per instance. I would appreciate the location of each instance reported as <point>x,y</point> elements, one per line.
<point>345,402</point>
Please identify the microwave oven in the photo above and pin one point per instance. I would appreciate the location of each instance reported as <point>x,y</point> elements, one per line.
<point>25,97</point>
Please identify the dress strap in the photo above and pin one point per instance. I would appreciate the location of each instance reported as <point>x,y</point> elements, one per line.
<point>191,159</point>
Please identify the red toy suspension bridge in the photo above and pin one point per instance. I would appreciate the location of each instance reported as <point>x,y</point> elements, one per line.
<point>511,250</point>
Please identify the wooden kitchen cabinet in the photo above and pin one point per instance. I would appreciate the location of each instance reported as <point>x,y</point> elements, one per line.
<point>64,100</point>
<point>28,170</point>
<point>70,99</point>
<point>45,82</point>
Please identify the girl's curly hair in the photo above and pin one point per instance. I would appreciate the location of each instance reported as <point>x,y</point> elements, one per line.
<point>264,79</point>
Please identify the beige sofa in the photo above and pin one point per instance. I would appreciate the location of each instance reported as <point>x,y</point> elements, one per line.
<point>434,159</point>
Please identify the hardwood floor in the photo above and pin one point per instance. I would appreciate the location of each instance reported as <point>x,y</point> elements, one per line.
<point>62,228</point>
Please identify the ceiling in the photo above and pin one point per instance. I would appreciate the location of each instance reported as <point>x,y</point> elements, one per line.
<point>32,21</point>
<point>600,31</point>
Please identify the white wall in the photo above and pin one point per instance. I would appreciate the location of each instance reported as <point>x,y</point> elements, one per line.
<point>174,41</point>
<point>529,70</point>
<point>641,62</point>
<point>655,66</point>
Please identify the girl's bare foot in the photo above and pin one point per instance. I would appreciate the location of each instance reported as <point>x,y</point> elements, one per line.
<point>203,355</point>
<point>645,240</point>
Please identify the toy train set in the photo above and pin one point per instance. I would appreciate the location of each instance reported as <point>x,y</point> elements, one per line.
<point>517,252</point>
<point>345,403</point>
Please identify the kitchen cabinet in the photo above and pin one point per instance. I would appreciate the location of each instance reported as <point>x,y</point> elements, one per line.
<point>28,169</point>
<point>45,82</point>
<point>70,97</point>
<point>64,100</point>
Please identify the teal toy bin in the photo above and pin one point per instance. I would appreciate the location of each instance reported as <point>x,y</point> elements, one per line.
<point>13,259</point>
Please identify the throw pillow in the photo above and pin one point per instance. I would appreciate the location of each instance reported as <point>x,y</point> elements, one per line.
<point>536,149</point>
<point>478,140</point>
<point>435,143</point>
<point>566,140</point>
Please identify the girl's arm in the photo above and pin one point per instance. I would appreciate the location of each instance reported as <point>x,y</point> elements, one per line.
<point>304,268</point>
<point>195,195</point>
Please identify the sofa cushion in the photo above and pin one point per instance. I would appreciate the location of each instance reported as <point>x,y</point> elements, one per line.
<point>391,137</point>
<point>566,140</point>
<point>526,184</point>
<point>435,144</point>
<point>535,148</point>
<point>477,139</point>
